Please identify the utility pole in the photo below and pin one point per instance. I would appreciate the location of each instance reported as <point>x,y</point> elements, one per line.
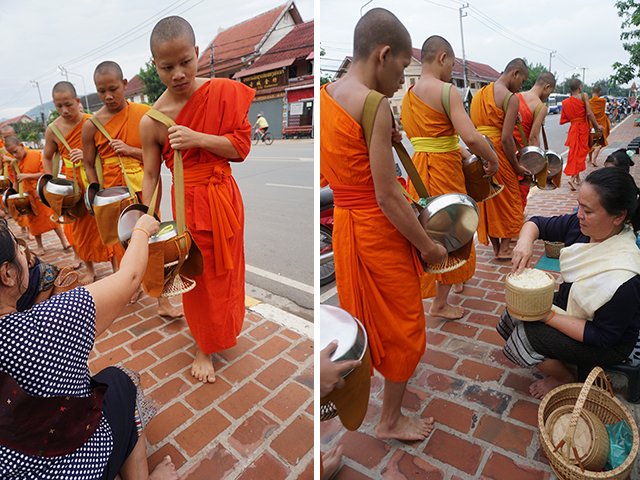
<point>212,74</point>
<point>464,58</point>
<point>551,55</point>
<point>37,85</point>
<point>65,72</point>
<point>583,69</point>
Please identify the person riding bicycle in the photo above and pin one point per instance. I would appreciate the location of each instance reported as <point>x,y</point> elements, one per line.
<point>261,125</point>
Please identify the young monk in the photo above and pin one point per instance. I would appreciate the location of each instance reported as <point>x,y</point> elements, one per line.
<point>378,241</point>
<point>576,110</point>
<point>84,230</point>
<point>502,216</point>
<point>30,166</point>
<point>8,131</point>
<point>438,155</point>
<point>598,107</point>
<point>533,111</point>
<point>212,130</point>
<point>121,119</point>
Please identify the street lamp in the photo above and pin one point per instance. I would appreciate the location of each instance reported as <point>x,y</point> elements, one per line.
<point>367,3</point>
<point>37,85</point>
<point>63,71</point>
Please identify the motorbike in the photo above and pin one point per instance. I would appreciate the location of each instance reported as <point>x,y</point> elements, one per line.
<point>327,269</point>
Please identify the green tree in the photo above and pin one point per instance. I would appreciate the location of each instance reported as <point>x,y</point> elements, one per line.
<point>563,87</point>
<point>153,87</point>
<point>324,78</point>
<point>534,73</point>
<point>28,131</point>
<point>609,86</point>
<point>629,11</point>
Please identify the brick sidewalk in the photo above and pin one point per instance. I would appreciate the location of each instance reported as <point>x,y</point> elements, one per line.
<point>486,419</point>
<point>254,422</point>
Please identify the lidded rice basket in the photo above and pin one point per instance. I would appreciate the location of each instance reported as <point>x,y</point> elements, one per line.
<point>552,249</point>
<point>529,302</point>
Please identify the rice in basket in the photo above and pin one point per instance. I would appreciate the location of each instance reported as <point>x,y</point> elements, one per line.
<point>529,295</point>
<point>530,278</point>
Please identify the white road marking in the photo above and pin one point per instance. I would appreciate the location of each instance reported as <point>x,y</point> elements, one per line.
<point>280,159</point>
<point>303,287</point>
<point>303,187</point>
<point>328,294</point>
<point>285,319</point>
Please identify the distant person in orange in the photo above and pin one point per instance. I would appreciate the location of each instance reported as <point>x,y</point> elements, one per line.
<point>502,216</point>
<point>5,132</point>
<point>68,143</point>
<point>30,165</point>
<point>438,155</point>
<point>378,241</point>
<point>212,131</point>
<point>576,110</point>
<point>598,106</point>
<point>533,111</point>
<point>121,119</point>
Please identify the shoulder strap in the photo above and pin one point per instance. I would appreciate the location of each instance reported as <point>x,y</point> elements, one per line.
<point>446,98</point>
<point>93,119</point>
<point>56,131</point>
<point>98,161</point>
<point>160,117</point>
<point>505,103</point>
<point>537,110</point>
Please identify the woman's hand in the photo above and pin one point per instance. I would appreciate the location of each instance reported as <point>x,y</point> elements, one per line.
<point>436,255</point>
<point>331,372</point>
<point>149,224</point>
<point>521,255</point>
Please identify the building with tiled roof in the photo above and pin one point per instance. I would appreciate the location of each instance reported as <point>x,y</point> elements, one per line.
<point>24,118</point>
<point>135,90</point>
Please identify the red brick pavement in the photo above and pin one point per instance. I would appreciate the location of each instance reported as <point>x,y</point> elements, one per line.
<point>486,420</point>
<point>254,422</point>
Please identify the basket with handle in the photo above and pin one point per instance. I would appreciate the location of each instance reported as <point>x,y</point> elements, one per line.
<point>595,396</point>
<point>552,249</point>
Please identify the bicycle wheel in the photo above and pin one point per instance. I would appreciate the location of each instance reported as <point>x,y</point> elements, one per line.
<point>327,270</point>
<point>268,139</point>
<point>256,138</point>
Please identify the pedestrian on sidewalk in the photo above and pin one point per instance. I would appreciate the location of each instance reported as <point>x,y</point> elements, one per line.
<point>595,319</point>
<point>597,104</point>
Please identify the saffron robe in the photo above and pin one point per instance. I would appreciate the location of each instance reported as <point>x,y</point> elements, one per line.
<point>574,111</point>
<point>598,107</point>
<point>377,268</point>
<point>84,230</point>
<point>214,212</point>
<point>40,222</point>
<point>440,171</point>
<point>501,216</point>
<point>526,119</point>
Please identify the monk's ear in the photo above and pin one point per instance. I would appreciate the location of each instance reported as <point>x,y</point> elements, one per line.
<point>384,53</point>
<point>442,57</point>
<point>125,82</point>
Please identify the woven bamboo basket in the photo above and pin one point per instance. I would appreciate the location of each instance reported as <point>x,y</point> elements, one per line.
<point>552,249</point>
<point>596,397</point>
<point>529,304</point>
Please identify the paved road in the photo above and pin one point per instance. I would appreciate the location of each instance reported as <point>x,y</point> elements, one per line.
<point>276,182</point>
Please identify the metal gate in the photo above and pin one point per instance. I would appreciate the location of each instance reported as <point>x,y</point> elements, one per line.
<point>272,110</point>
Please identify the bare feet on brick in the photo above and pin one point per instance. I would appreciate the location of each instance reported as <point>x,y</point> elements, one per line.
<point>202,368</point>
<point>406,429</point>
<point>165,309</point>
<point>458,287</point>
<point>540,388</point>
<point>331,463</point>
<point>165,470</point>
<point>446,311</point>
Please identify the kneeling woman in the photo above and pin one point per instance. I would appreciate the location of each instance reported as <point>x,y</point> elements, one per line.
<point>596,314</point>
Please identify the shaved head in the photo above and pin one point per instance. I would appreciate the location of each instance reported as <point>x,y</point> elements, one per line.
<point>12,140</point>
<point>433,46</point>
<point>546,78</point>
<point>517,64</point>
<point>379,27</point>
<point>596,89</point>
<point>64,86</point>
<point>6,131</point>
<point>574,84</point>
<point>107,67</point>
<point>169,29</point>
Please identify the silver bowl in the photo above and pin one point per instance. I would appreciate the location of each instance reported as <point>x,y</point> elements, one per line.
<point>110,195</point>
<point>59,186</point>
<point>555,163</point>
<point>338,324</point>
<point>533,159</point>
<point>451,219</point>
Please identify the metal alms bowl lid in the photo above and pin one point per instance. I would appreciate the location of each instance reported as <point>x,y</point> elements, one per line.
<point>167,230</point>
<point>59,186</point>
<point>338,324</point>
<point>110,195</point>
<point>451,219</point>
<point>128,219</point>
<point>17,195</point>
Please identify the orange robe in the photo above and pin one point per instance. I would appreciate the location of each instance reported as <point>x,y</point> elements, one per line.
<point>214,212</point>
<point>24,220</point>
<point>377,269</point>
<point>501,216</point>
<point>440,171</point>
<point>526,117</point>
<point>84,230</point>
<point>598,107</point>
<point>574,111</point>
<point>41,221</point>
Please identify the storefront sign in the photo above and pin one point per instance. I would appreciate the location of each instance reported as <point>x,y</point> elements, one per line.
<point>260,81</point>
<point>295,108</point>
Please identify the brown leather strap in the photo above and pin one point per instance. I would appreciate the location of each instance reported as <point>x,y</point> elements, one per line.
<point>98,164</point>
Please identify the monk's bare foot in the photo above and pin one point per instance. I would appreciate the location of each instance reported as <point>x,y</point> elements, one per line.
<point>136,296</point>
<point>76,264</point>
<point>87,278</point>
<point>66,247</point>
<point>331,462</point>
<point>38,251</point>
<point>505,252</point>
<point>165,309</point>
<point>407,429</point>
<point>202,368</point>
<point>165,470</point>
<point>540,388</point>
<point>446,311</point>
<point>458,287</point>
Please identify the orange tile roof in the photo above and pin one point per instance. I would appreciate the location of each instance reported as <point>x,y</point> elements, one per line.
<point>297,43</point>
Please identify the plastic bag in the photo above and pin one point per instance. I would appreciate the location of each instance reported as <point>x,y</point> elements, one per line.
<point>620,441</point>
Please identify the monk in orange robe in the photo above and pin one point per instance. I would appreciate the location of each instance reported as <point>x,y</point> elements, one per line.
<point>502,216</point>
<point>30,167</point>
<point>121,120</point>
<point>429,126</point>
<point>86,239</point>
<point>212,130</point>
<point>533,111</point>
<point>576,110</point>
<point>377,238</point>
<point>598,106</point>
<point>7,131</point>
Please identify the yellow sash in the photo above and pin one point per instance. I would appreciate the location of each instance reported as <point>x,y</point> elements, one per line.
<point>489,131</point>
<point>435,144</point>
<point>132,166</point>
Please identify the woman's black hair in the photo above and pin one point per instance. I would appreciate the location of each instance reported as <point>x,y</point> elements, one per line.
<point>8,247</point>
<point>618,192</point>
<point>620,158</point>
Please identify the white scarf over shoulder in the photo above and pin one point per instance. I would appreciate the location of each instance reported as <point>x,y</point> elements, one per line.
<point>597,270</point>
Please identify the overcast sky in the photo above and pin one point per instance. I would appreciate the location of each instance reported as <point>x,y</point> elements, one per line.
<point>585,33</point>
<point>39,35</point>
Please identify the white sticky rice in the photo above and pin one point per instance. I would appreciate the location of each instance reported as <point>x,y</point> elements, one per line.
<point>530,279</point>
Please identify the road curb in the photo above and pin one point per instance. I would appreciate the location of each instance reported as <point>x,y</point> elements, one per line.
<point>282,318</point>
